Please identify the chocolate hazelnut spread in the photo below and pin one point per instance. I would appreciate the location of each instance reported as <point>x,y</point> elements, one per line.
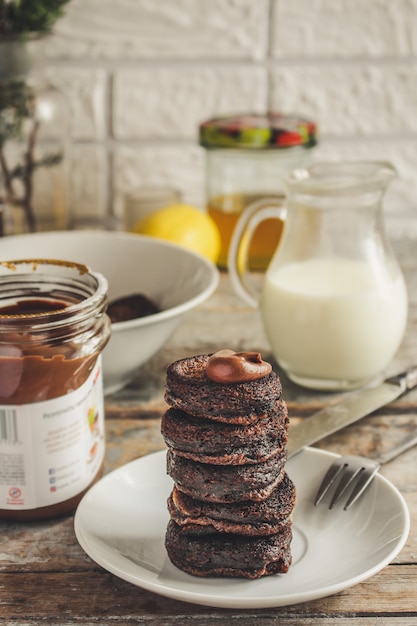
<point>52,331</point>
<point>31,307</point>
<point>227,366</point>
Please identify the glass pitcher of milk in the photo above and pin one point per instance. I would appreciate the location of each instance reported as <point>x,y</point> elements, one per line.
<point>334,300</point>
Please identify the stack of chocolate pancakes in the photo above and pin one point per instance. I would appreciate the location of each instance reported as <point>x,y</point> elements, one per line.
<point>226,432</point>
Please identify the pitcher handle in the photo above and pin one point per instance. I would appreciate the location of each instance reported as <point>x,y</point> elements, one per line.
<point>238,255</point>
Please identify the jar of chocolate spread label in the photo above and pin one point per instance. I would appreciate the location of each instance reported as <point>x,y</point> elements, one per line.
<point>53,328</point>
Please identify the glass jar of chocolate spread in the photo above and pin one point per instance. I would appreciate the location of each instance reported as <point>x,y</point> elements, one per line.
<point>53,328</point>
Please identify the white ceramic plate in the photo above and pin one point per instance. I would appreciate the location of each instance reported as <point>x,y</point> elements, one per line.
<point>121,523</point>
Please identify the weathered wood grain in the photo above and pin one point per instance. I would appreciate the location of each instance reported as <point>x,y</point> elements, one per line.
<point>80,595</point>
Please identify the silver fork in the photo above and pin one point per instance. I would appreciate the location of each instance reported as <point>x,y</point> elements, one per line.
<point>357,472</point>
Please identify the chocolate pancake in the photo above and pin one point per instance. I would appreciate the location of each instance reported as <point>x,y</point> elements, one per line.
<point>226,444</point>
<point>230,483</point>
<point>266,517</point>
<point>189,389</point>
<point>228,555</point>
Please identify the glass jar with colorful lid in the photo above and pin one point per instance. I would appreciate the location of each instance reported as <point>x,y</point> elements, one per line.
<point>248,157</point>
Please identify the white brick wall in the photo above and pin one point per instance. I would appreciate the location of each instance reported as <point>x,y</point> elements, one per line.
<point>139,76</point>
<point>344,29</point>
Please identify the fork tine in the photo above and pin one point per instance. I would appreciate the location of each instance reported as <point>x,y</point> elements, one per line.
<point>350,473</point>
<point>363,481</point>
<point>330,476</point>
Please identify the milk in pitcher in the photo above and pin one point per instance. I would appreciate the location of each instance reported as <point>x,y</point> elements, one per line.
<point>330,318</point>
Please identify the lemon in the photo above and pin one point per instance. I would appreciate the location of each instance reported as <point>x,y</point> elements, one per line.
<point>185,225</point>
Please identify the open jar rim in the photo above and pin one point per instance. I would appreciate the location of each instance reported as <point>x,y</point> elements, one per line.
<point>83,292</point>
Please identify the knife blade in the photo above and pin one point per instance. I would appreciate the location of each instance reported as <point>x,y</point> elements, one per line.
<point>350,409</point>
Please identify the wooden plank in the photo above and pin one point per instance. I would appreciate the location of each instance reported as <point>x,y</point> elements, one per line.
<point>42,547</point>
<point>80,596</point>
<point>128,439</point>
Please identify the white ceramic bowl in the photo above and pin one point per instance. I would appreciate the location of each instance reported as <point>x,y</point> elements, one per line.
<point>174,278</point>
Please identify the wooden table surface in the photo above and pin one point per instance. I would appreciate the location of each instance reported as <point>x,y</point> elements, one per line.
<point>46,578</point>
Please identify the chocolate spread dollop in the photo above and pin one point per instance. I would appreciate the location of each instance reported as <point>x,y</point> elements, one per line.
<point>227,366</point>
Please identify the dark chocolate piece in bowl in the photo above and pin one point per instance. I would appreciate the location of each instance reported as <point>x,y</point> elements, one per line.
<point>131,307</point>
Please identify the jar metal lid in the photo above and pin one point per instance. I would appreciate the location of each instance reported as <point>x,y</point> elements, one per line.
<point>254,130</point>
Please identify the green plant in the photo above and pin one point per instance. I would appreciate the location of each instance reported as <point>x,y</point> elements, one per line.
<point>18,19</point>
<point>17,105</point>
<point>26,16</point>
